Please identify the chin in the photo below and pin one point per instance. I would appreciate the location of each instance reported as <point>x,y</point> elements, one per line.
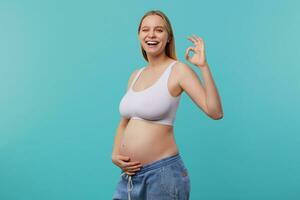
<point>151,53</point>
<point>154,52</point>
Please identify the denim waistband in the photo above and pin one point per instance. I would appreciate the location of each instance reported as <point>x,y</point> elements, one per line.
<point>157,164</point>
<point>151,166</point>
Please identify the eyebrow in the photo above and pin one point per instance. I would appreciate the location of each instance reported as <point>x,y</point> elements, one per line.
<point>155,27</point>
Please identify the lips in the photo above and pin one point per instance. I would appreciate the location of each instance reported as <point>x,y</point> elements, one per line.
<point>152,43</point>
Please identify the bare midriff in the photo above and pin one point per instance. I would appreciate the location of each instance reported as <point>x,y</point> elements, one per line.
<point>146,142</point>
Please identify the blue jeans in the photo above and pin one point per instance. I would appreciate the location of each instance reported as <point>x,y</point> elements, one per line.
<point>164,179</point>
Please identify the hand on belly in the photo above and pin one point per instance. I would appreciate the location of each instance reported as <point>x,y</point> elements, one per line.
<point>125,163</point>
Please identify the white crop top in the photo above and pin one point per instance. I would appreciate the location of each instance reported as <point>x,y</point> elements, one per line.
<point>154,103</point>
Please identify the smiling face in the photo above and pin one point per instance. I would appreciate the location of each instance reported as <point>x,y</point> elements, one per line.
<point>153,35</point>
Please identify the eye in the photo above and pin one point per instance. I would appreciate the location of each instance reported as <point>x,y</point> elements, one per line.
<point>159,30</point>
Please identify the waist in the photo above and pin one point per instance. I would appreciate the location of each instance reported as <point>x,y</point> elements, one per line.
<point>158,164</point>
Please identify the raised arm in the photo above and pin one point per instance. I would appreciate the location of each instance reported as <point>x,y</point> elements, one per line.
<point>204,95</point>
<point>207,97</point>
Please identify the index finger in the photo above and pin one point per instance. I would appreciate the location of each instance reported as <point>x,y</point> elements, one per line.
<point>192,39</point>
<point>127,164</point>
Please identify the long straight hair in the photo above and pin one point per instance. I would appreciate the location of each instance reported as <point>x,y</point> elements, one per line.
<point>170,46</point>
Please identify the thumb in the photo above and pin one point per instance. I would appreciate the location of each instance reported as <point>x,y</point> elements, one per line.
<point>187,52</point>
<point>124,158</point>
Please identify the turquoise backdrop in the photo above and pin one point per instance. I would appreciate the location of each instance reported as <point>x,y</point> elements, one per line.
<point>64,67</point>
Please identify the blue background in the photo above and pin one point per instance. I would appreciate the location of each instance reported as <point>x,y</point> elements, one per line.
<point>64,66</point>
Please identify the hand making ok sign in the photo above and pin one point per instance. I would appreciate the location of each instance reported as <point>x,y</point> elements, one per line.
<point>198,57</point>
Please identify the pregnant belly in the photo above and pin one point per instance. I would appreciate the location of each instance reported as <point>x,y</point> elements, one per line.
<point>147,142</point>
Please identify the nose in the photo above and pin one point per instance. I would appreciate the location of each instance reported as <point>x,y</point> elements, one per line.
<point>151,33</point>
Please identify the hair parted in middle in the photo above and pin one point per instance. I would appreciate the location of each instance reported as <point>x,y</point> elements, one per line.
<point>170,46</point>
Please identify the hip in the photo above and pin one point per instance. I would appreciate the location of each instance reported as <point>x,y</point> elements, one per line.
<point>167,178</point>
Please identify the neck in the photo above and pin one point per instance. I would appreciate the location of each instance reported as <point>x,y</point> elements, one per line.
<point>157,60</point>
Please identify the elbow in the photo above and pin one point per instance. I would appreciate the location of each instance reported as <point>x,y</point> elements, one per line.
<point>217,116</point>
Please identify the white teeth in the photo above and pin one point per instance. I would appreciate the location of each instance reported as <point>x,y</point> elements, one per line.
<point>152,42</point>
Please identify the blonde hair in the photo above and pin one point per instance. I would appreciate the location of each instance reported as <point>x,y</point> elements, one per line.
<point>170,46</point>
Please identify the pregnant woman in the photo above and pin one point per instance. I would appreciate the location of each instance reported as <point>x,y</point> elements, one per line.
<point>144,148</point>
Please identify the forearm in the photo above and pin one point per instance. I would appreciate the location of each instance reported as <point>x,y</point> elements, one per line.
<point>117,139</point>
<point>213,101</point>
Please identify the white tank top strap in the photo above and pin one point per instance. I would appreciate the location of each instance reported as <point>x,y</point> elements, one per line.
<point>168,71</point>
<point>136,76</point>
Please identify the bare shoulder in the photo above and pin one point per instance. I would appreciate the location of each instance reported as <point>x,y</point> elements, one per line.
<point>183,70</point>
